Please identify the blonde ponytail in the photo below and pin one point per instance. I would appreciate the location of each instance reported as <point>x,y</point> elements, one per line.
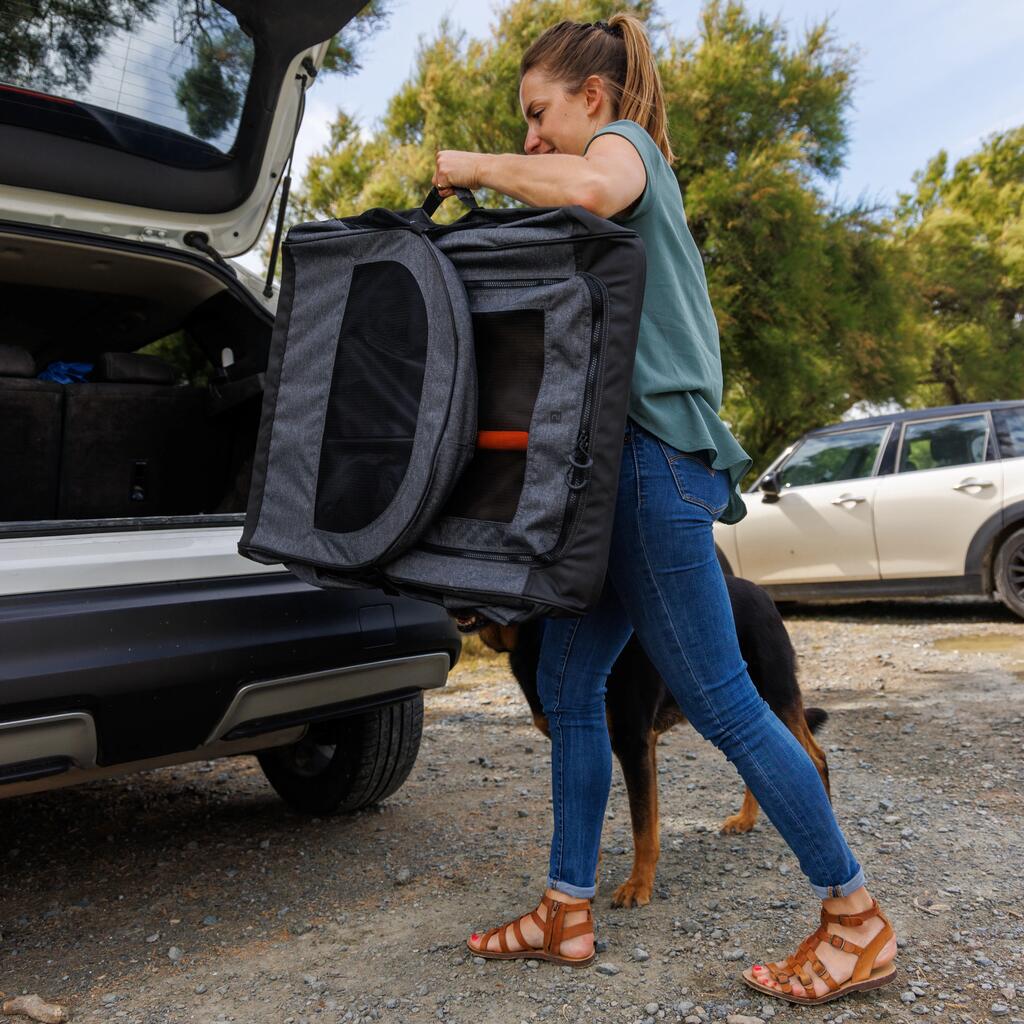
<point>642,98</point>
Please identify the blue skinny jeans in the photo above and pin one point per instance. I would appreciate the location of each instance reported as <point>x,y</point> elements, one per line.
<point>664,581</point>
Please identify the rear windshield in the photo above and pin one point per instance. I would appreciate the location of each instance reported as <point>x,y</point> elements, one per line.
<point>163,78</point>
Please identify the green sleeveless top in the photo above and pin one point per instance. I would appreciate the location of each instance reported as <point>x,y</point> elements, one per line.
<point>677,377</point>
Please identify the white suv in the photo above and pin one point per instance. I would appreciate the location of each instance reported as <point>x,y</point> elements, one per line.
<point>138,152</point>
<point>918,503</point>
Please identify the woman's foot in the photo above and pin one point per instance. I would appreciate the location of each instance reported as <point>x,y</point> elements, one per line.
<point>840,963</point>
<point>578,947</point>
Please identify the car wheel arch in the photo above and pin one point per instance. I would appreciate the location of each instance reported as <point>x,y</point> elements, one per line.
<point>981,552</point>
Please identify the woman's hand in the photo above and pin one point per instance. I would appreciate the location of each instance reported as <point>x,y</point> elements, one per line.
<point>457,167</point>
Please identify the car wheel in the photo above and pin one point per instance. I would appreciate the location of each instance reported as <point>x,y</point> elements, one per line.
<point>1009,572</point>
<point>348,763</point>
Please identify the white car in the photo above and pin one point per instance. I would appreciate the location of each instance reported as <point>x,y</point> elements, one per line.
<point>135,160</point>
<point>922,503</point>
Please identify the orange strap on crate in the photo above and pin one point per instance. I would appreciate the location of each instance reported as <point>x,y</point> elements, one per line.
<point>503,440</point>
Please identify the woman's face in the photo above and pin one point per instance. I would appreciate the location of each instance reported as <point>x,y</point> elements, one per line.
<point>557,122</point>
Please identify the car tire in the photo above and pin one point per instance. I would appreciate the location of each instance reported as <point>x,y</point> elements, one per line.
<point>1009,572</point>
<point>343,765</point>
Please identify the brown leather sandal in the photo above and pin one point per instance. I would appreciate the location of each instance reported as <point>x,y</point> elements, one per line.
<point>555,933</point>
<point>865,974</point>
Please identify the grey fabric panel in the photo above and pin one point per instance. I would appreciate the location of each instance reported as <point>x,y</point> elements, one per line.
<point>529,261</point>
<point>568,320</point>
<point>551,225</point>
<point>323,275</point>
<point>425,567</point>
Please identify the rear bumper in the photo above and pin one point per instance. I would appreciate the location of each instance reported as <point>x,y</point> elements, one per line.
<point>158,669</point>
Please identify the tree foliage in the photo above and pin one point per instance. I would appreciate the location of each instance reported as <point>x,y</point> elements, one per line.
<point>961,233</point>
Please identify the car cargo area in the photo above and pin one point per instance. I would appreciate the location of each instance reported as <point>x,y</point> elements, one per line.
<point>164,423</point>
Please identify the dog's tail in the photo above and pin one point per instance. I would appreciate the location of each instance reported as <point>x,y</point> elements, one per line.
<point>815,718</point>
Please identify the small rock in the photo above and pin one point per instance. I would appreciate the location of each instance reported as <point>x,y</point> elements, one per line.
<point>479,960</point>
<point>403,876</point>
<point>175,954</point>
<point>641,955</point>
<point>651,1008</point>
<point>908,997</point>
<point>108,998</point>
<point>199,989</point>
<point>742,1018</point>
<point>600,945</point>
<point>153,938</point>
<point>999,1009</point>
<point>300,928</point>
<point>684,1007</point>
<point>602,968</point>
<point>734,954</point>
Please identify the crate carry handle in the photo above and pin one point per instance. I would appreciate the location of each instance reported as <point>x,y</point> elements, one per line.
<point>435,199</point>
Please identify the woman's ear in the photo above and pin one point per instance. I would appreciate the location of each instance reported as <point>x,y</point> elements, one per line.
<point>594,93</point>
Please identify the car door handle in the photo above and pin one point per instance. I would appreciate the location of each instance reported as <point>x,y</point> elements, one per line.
<point>844,498</point>
<point>972,481</point>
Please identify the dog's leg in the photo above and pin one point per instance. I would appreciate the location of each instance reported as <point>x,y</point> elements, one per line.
<point>745,818</point>
<point>639,769</point>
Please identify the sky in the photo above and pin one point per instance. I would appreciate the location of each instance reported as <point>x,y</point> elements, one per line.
<point>932,74</point>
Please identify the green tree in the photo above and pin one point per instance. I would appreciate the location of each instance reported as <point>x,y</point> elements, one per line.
<point>812,318</point>
<point>961,233</point>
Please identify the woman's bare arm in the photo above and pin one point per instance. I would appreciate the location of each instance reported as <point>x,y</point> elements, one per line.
<point>607,180</point>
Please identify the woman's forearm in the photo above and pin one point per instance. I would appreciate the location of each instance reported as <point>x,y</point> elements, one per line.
<point>543,179</point>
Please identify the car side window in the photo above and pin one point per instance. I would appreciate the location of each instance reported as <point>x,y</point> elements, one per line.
<point>1010,431</point>
<point>850,455</point>
<point>935,444</point>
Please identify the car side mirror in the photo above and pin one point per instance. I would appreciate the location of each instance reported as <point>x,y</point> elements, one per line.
<point>770,488</point>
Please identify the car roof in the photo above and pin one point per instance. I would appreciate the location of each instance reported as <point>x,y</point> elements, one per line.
<point>914,414</point>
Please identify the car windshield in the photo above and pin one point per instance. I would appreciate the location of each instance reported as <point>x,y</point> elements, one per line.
<point>166,78</point>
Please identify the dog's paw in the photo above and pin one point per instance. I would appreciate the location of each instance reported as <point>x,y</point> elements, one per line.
<point>632,893</point>
<point>737,824</point>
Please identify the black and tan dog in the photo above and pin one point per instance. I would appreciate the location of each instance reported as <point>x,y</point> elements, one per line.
<point>639,708</point>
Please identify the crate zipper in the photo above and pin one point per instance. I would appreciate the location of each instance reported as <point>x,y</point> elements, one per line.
<point>511,283</point>
<point>581,448</point>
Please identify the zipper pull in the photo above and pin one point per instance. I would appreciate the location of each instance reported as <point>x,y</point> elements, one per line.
<point>581,464</point>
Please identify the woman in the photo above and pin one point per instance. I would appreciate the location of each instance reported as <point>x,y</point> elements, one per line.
<point>596,137</point>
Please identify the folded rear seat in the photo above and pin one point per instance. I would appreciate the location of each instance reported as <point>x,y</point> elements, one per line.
<point>133,443</point>
<point>30,413</point>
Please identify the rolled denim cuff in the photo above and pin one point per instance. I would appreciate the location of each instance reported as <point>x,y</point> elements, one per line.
<point>580,891</point>
<point>824,892</point>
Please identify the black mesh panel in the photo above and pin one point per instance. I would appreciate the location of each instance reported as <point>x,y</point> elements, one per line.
<point>374,398</point>
<point>510,364</point>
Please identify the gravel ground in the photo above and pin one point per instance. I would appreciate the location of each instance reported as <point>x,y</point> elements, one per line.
<point>192,894</point>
